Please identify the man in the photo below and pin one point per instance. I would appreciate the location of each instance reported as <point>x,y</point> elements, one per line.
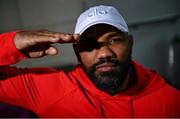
<point>105,83</point>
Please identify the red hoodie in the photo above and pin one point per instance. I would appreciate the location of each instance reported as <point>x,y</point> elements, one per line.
<point>53,93</point>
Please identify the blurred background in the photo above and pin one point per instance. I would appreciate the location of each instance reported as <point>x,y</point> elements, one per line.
<point>154,24</point>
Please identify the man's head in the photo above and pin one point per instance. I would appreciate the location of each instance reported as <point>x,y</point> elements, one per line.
<point>105,48</point>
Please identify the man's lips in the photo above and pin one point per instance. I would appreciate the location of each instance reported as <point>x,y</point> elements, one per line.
<point>105,67</point>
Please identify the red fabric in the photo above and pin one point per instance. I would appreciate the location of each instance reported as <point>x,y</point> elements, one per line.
<point>53,93</point>
<point>8,52</point>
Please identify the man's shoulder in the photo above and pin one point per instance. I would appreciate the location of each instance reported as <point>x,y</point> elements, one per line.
<point>154,78</point>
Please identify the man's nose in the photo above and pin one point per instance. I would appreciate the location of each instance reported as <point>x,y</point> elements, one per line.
<point>105,52</point>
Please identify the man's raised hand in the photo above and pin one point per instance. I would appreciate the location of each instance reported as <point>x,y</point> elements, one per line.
<point>36,44</point>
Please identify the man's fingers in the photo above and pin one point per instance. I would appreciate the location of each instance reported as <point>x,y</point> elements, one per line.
<point>33,43</point>
<point>76,37</point>
<point>36,54</point>
<point>51,51</point>
<point>67,38</point>
<point>62,38</point>
<point>57,37</point>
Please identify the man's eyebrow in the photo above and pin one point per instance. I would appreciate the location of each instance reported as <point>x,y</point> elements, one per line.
<point>86,40</point>
<point>116,34</point>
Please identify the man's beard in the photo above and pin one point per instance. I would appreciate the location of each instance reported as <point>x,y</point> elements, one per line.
<point>110,81</point>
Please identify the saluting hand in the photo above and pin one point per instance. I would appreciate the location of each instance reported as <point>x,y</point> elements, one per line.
<point>36,44</point>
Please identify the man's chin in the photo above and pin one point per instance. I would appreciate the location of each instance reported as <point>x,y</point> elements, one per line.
<point>108,81</point>
<point>103,76</point>
<point>109,76</point>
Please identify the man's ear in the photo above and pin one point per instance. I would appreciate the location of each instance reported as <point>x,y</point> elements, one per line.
<point>130,38</point>
<point>76,50</point>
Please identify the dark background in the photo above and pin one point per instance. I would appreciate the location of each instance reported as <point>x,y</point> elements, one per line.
<point>155,25</point>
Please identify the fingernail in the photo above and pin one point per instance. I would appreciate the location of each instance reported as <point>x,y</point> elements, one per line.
<point>77,37</point>
<point>67,36</point>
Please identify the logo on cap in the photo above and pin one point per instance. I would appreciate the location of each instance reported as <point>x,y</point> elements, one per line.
<point>97,12</point>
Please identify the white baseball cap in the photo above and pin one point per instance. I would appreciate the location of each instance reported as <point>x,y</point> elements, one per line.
<point>100,15</point>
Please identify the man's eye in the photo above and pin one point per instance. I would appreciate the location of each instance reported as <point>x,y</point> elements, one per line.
<point>116,41</point>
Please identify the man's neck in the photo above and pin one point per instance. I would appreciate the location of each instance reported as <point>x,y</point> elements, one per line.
<point>130,79</point>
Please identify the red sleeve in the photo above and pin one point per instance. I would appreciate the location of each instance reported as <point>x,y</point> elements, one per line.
<point>26,87</point>
<point>12,79</point>
<point>16,85</point>
<point>8,52</point>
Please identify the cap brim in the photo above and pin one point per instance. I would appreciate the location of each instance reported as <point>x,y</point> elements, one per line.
<point>112,23</point>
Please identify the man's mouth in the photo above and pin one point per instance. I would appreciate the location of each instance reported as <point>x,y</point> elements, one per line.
<point>105,67</point>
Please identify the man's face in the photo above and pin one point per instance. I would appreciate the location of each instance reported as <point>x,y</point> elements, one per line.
<point>105,54</point>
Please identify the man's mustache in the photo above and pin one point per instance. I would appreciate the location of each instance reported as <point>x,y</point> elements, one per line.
<point>106,60</point>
